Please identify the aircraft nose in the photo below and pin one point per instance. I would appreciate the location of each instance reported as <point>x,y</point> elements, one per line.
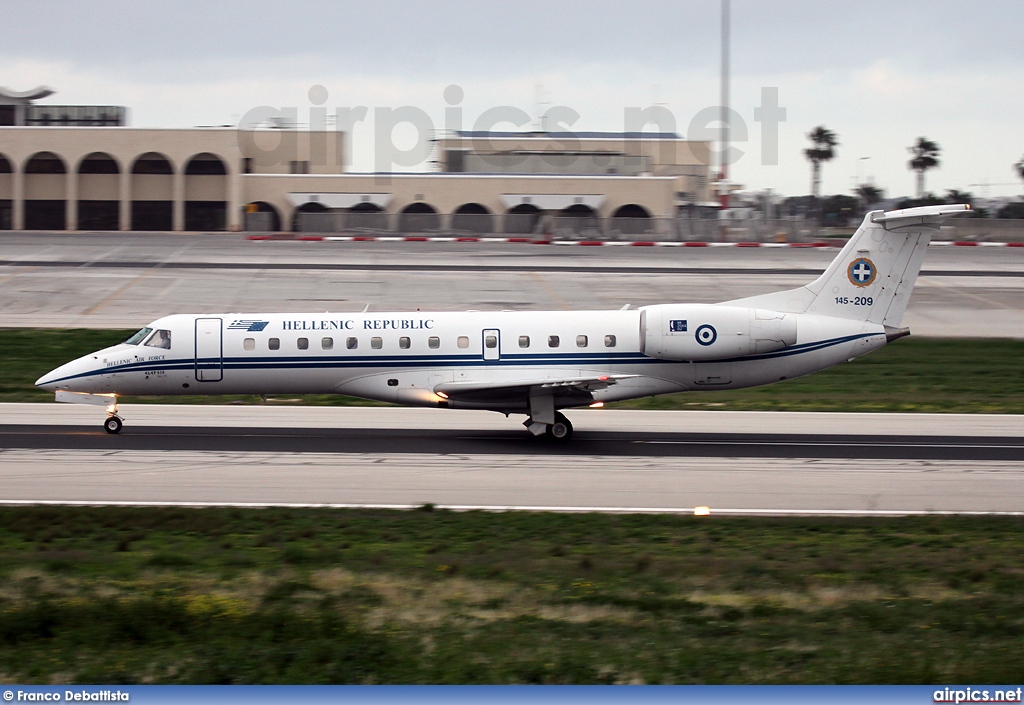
<point>48,380</point>
<point>51,379</point>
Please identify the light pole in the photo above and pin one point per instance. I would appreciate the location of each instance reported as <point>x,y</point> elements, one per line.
<point>859,162</point>
<point>724,109</point>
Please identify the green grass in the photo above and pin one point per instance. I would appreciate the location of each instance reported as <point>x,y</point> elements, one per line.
<point>912,375</point>
<point>123,595</point>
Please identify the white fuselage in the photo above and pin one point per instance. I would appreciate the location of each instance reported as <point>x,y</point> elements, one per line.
<point>406,357</point>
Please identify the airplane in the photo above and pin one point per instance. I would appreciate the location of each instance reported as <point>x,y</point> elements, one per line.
<point>526,362</point>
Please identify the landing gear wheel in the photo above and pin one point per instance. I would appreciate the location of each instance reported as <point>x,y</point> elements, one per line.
<point>560,430</point>
<point>112,424</point>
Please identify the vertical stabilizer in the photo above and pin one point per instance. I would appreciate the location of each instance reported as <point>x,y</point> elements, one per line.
<point>872,277</point>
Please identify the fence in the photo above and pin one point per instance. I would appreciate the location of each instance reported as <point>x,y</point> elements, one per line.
<point>680,229</point>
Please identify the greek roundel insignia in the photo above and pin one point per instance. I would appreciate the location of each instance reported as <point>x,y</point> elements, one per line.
<point>861,272</point>
<point>706,335</point>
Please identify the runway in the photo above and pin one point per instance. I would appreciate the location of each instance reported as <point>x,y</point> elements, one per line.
<point>619,461</point>
<point>733,462</point>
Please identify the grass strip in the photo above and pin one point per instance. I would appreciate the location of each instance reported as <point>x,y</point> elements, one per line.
<point>913,375</point>
<point>167,595</point>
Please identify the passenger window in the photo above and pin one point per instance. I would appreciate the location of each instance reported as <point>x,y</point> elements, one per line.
<point>609,341</point>
<point>403,343</point>
<point>302,343</point>
<point>552,341</point>
<point>524,341</point>
<point>433,342</point>
<point>490,341</point>
<point>581,341</point>
<point>352,343</point>
<point>463,342</point>
<point>249,343</point>
<point>327,343</point>
<point>274,343</point>
<point>160,339</point>
<point>376,343</point>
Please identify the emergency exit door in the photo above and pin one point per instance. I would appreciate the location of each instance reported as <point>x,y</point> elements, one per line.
<point>209,350</point>
<point>492,344</point>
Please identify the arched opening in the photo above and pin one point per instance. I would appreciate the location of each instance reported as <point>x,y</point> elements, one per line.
<point>152,193</point>
<point>99,205</point>
<point>631,210</point>
<point>578,220</point>
<point>473,218</point>
<point>206,187</point>
<point>578,210</point>
<point>366,216</point>
<point>523,218</point>
<point>6,193</point>
<point>262,217</point>
<point>205,164</point>
<point>45,197</point>
<point>632,219</point>
<point>419,218</point>
<point>302,223</point>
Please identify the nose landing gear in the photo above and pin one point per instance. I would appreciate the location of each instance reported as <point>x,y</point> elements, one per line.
<point>113,424</point>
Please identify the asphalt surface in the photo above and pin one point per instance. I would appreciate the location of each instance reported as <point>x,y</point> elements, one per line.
<point>490,442</point>
<point>733,462</point>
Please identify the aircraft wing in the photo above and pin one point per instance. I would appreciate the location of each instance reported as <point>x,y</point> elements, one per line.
<point>505,391</point>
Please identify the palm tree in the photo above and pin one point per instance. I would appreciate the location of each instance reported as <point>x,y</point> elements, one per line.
<point>926,156</point>
<point>824,141</point>
<point>955,196</point>
<point>869,194</point>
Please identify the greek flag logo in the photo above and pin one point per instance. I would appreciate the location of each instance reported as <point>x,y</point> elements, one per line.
<point>861,272</point>
<point>248,325</point>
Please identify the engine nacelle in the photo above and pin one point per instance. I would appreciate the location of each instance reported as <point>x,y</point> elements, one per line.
<point>709,332</point>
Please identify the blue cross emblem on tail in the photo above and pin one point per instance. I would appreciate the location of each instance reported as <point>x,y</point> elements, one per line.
<point>861,272</point>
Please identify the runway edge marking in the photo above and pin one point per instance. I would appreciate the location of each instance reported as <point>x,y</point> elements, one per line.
<point>511,508</point>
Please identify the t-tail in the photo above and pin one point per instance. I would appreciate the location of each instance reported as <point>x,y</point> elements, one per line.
<point>873,276</point>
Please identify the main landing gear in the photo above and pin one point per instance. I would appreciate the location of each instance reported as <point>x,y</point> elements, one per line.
<point>545,421</point>
<point>559,431</point>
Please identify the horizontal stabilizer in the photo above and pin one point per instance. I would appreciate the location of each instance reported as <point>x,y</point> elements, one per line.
<point>930,217</point>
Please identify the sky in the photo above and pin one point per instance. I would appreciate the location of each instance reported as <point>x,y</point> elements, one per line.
<point>878,73</point>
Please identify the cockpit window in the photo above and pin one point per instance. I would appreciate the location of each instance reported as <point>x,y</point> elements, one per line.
<point>160,339</point>
<point>138,337</point>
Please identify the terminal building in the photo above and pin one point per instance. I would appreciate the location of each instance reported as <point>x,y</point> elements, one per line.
<point>81,168</point>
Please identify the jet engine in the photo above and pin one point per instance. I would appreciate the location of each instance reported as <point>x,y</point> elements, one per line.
<point>703,332</point>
